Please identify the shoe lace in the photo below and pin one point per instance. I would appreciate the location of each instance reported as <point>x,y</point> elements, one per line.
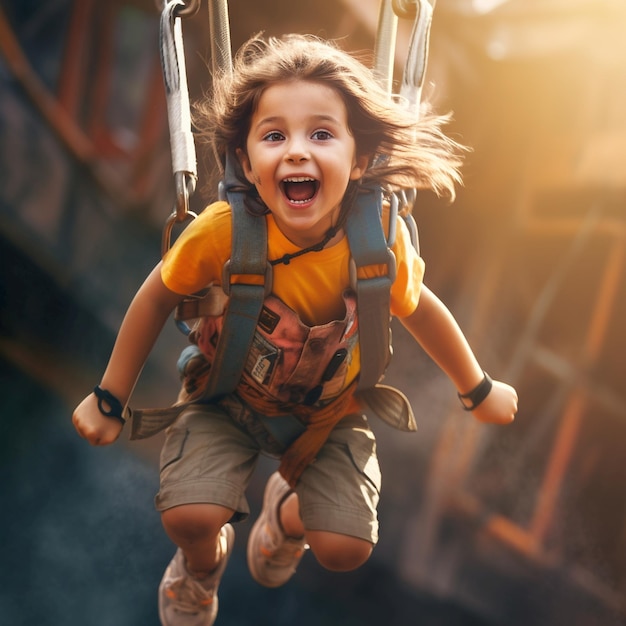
<point>188,595</point>
<point>282,551</point>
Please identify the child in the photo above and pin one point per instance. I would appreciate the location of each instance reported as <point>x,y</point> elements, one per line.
<point>307,124</point>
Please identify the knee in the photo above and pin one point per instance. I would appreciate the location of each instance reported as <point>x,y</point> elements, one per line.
<point>194,522</point>
<point>339,553</point>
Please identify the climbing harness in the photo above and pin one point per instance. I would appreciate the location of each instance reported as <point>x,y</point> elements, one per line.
<point>366,237</point>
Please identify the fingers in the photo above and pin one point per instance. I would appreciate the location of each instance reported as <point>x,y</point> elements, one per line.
<point>91,425</point>
<point>500,406</point>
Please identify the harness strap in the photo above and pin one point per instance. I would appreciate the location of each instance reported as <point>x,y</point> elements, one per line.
<point>417,57</point>
<point>246,293</point>
<point>368,247</point>
<point>176,91</point>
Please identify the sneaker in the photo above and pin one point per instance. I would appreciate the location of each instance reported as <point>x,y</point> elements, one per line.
<point>272,556</point>
<point>188,601</point>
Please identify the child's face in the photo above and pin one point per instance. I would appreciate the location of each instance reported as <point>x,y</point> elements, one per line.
<point>300,155</point>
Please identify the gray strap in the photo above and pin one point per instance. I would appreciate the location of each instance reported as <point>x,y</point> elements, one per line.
<point>248,258</point>
<point>176,91</point>
<point>368,246</point>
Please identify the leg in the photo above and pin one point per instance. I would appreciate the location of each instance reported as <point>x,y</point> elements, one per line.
<point>337,497</point>
<point>339,553</point>
<point>206,463</point>
<point>333,509</point>
<point>334,551</point>
<point>273,552</point>
<point>184,594</point>
<point>195,529</point>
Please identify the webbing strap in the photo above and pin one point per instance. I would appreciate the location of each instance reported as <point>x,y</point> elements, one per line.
<point>368,246</point>
<point>176,91</point>
<point>417,56</point>
<point>248,258</point>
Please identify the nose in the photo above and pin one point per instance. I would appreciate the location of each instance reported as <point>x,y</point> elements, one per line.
<point>297,151</point>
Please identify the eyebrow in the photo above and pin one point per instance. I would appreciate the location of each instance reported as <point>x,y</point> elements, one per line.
<point>276,119</point>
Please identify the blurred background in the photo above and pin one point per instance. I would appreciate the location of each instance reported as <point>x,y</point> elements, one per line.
<point>479,525</point>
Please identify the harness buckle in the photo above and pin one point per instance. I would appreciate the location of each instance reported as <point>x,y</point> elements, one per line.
<point>266,284</point>
<point>391,270</point>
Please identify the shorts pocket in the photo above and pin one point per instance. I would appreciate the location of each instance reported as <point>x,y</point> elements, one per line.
<point>362,450</point>
<point>173,447</point>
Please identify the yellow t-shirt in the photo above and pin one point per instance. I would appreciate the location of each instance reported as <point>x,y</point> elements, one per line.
<point>311,285</point>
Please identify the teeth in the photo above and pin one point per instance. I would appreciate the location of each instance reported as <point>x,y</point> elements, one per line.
<point>299,179</point>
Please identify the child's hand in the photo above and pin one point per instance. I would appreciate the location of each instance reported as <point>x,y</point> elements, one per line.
<point>500,405</point>
<point>97,429</point>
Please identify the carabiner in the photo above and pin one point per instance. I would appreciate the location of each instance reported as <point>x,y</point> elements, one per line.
<point>185,185</point>
<point>406,9</point>
<point>166,239</point>
<point>191,7</point>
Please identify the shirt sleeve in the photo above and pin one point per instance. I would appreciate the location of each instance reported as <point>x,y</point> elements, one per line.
<point>406,289</point>
<point>197,257</point>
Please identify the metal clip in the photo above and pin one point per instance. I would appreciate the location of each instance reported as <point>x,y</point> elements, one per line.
<point>166,240</point>
<point>185,186</point>
<point>406,9</point>
<point>191,7</point>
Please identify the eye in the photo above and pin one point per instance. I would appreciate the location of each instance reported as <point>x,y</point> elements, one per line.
<point>322,135</point>
<point>273,136</point>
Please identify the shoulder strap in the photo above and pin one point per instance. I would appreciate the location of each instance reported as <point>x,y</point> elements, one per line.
<point>246,295</point>
<point>368,246</point>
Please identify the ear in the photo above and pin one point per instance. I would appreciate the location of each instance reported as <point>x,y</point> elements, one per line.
<point>244,161</point>
<point>360,165</point>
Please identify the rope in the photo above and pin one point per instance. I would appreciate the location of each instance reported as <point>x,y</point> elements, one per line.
<point>219,26</point>
<point>385,45</point>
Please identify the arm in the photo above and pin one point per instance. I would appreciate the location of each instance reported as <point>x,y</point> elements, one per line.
<point>435,329</point>
<point>139,331</point>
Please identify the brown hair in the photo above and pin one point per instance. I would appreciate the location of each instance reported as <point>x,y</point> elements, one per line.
<point>405,150</point>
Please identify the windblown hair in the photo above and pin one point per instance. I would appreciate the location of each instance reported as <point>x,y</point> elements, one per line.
<point>405,150</point>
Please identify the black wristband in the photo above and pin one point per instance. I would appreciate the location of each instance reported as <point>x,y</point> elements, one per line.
<point>115,410</point>
<point>478,394</point>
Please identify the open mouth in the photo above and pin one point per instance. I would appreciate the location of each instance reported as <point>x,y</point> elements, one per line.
<point>300,190</point>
